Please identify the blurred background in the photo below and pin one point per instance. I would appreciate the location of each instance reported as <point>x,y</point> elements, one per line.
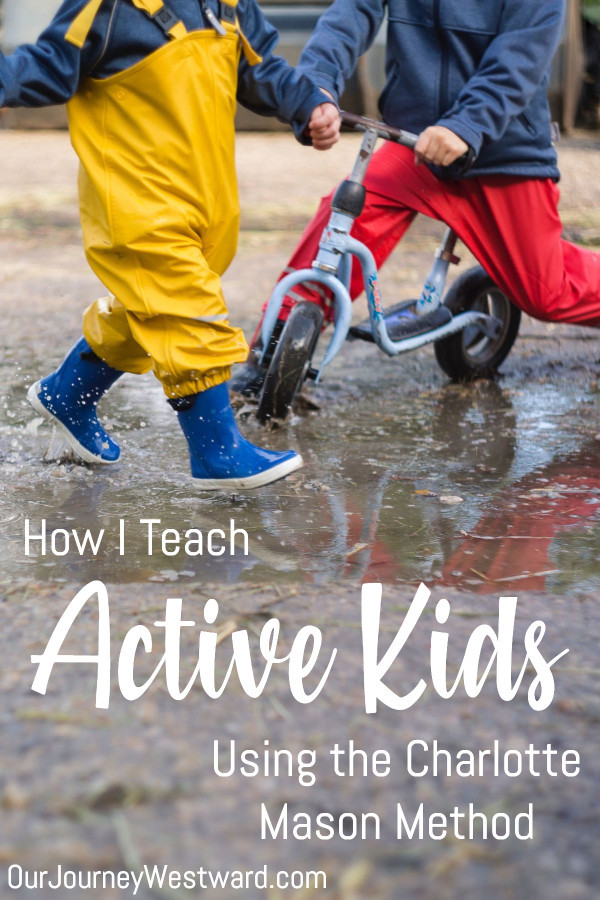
<point>574,89</point>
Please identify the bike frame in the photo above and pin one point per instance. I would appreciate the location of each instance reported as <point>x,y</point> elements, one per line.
<point>333,266</point>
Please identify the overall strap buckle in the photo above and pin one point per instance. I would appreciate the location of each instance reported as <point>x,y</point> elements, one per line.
<point>165,18</point>
<point>227,12</point>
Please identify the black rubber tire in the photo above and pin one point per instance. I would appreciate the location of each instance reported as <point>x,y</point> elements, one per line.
<point>470,354</point>
<point>290,361</point>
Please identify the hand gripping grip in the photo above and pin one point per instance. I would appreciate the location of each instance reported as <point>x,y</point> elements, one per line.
<point>405,138</point>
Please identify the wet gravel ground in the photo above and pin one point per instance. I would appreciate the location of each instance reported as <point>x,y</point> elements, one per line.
<point>481,491</point>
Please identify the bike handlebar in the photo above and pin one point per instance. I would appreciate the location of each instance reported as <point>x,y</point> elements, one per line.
<point>362,123</point>
<point>397,136</point>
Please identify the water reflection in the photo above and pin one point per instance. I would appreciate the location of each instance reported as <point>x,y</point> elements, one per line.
<point>544,527</point>
<point>454,487</point>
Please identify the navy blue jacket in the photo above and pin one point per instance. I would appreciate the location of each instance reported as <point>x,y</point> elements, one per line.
<point>51,70</point>
<point>479,67</point>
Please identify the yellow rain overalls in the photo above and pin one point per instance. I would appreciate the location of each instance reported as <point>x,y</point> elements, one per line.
<point>159,205</point>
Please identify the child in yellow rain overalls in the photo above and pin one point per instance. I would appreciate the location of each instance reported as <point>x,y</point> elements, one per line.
<point>151,93</point>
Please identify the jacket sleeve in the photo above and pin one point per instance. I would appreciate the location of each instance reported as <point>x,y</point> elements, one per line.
<point>343,33</point>
<point>48,71</point>
<point>511,70</point>
<point>272,87</point>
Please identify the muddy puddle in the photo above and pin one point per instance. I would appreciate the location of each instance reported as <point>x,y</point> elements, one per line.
<point>407,478</point>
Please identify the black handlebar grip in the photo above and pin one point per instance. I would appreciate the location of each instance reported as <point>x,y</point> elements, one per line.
<point>465,163</point>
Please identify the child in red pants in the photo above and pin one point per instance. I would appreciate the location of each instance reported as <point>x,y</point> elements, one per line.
<point>479,71</point>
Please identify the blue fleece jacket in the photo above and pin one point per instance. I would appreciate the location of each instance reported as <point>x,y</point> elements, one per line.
<point>51,70</point>
<point>479,67</point>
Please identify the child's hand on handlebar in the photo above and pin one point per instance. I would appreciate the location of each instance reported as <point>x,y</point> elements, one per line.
<point>324,126</point>
<point>439,146</point>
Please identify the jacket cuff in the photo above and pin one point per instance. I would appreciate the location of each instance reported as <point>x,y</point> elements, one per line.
<point>459,127</point>
<point>303,114</point>
<point>326,76</point>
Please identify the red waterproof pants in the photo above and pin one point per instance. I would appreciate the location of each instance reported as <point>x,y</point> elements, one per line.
<point>510,224</point>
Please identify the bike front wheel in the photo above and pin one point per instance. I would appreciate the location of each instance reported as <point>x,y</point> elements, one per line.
<point>290,362</point>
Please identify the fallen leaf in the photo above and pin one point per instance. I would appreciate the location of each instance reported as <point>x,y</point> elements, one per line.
<point>356,549</point>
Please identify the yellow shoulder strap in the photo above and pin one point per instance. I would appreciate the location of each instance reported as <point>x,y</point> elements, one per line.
<point>82,23</point>
<point>152,7</point>
<point>252,57</point>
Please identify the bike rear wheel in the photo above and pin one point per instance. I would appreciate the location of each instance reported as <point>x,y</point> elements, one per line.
<point>471,354</point>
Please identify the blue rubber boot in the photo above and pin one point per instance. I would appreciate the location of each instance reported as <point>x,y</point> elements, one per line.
<point>220,457</point>
<point>68,399</point>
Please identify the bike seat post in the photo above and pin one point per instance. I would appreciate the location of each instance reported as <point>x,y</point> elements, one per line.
<point>435,283</point>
